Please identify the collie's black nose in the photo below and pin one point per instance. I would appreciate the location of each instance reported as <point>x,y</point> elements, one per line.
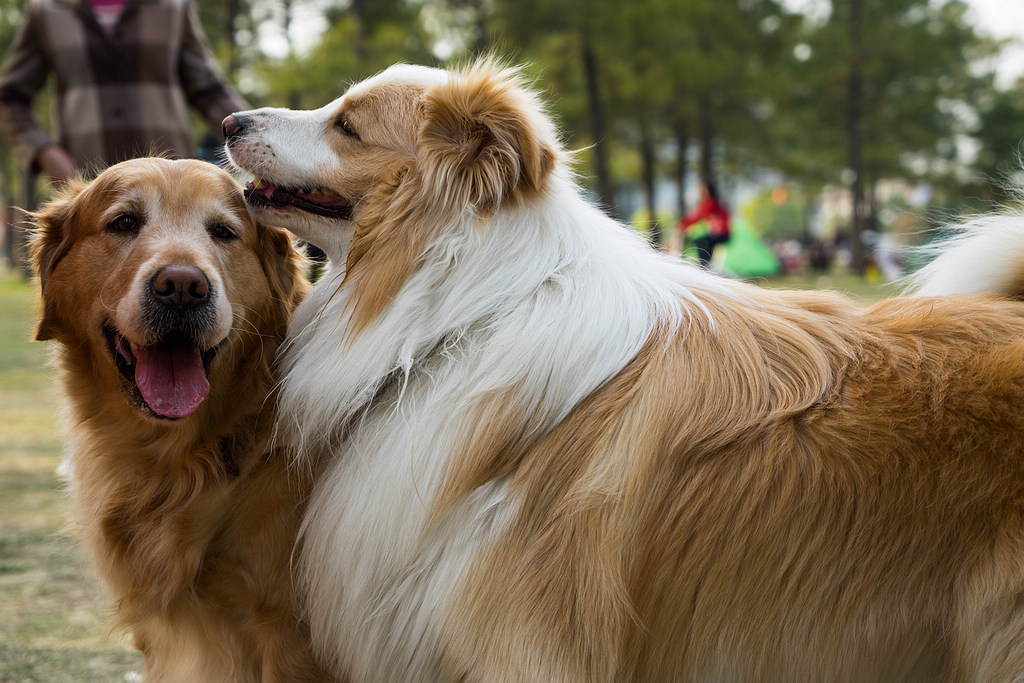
<point>180,287</point>
<point>234,125</point>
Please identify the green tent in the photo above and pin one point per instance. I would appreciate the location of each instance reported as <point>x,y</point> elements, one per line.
<point>745,254</point>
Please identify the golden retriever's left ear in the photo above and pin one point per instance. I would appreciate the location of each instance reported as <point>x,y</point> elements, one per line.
<point>283,266</point>
<point>483,136</point>
<point>52,236</point>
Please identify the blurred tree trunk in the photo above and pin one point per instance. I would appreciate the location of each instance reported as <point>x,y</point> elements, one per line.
<point>288,7</point>
<point>8,237</point>
<point>854,113</point>
<point>682,146</point>
<point>358,8</point>
<point>20,224</point>
<point>872,222</point>
<point>705,123</point>
<point>232,9</point>
<point>7,207</point>
<point>605,198</point>
<point>707,139</point>
<point>647,160</point>
<point>482,38</point>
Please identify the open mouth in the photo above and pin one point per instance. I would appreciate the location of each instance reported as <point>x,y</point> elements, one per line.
<point>317,201</point>
<point>168,378</point>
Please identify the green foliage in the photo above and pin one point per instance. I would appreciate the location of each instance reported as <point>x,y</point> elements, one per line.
<point>641,222</point>
<point>10,18</point>
<point>353,47</point>
<point>777,213</point>
<point>310,81</point>
<point>773,81</point>
<point>916,61</point>
<point>999,134</point>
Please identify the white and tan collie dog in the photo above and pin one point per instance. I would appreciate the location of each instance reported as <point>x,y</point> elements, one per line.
<point>550,454</point>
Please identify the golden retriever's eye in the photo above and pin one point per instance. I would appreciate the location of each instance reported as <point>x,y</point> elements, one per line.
<point>126,223</point>
<point>220,231</point>
<point>345,127</point>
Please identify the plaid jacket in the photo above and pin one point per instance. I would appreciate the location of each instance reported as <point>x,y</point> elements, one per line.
<point>118,95</point>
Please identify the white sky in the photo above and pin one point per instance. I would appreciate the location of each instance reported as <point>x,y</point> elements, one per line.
<point>308,24</point>
<point>1003,19</point>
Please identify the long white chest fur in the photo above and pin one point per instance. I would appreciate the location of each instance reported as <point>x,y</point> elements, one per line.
<point>378,576</point>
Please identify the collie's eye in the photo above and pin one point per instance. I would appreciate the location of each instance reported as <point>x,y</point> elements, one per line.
<point>127,223</point>
<point>220,231</point>
<point>345,127</point>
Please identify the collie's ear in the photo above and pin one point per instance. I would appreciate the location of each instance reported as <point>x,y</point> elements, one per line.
<point>283,266</point>
<point>485,137</point>
<point>53,234</point>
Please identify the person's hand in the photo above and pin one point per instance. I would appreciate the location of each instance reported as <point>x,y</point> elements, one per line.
<point>56,164</point>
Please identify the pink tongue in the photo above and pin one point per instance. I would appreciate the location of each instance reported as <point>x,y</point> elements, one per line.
<point>322,199</point>
<point>171,378</point>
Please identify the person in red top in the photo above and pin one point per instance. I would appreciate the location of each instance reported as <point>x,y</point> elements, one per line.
<point>714,212</point>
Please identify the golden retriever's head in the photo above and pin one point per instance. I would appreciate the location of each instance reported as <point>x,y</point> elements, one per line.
<point>396,158</point>
<point>155,277</point>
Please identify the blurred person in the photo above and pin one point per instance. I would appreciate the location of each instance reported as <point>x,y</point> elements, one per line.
<point>123,72</point>
<point>716,214</point>
<point>818,256</point>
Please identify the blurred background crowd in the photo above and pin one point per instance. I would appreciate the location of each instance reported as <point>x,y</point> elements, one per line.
<point>838,133</point>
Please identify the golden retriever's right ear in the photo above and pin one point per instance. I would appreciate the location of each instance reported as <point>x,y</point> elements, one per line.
<point>51,239</point>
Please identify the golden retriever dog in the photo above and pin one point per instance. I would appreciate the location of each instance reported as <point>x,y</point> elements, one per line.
<point>548,453</point>
<point>168,303</point>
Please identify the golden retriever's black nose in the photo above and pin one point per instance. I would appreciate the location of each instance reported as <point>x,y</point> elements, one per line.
<point>233,125</point>
<point>180,287</point>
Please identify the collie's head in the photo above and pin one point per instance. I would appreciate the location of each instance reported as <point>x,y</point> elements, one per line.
<point>385,170</point>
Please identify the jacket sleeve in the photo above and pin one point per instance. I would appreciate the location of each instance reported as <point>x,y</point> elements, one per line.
<point>201,79</point>
<point>24,75</point>
<point>702,211</point>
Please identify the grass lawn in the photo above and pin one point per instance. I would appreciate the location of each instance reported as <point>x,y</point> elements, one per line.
<point>857,288</point>
<point>54,618</point>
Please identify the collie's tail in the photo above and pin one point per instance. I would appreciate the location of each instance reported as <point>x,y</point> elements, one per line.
<point>986,255</point>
